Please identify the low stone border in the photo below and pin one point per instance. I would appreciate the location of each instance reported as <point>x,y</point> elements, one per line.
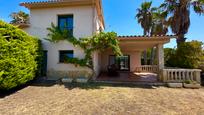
<point>175,85</point>
<point>184,85</point>
<point>67,80</point>
<point>191,86</point>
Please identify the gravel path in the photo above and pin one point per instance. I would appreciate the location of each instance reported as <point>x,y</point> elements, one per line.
<point>104,100</point>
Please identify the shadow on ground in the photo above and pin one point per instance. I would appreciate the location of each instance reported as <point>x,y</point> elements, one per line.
<point>4,93</point>
<point>41,82</point>
<point>93,85</point>
<point>36,82</point>
<point>87,86</point>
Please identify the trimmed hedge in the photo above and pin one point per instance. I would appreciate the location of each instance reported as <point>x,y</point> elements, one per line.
<point>20,56</point>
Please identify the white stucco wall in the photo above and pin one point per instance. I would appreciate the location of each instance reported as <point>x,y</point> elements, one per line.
<point>96,63</point>
<point>42,18</point>
<point>97,23</point>
<point>83,27</point>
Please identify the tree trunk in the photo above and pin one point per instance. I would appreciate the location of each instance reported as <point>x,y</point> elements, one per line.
<point>152,56</point>
<point>180,39</point>
<point>145,57</point>
<point>145,51</point>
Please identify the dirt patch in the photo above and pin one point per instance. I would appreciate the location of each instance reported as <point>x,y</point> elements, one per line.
<point>102,100</point>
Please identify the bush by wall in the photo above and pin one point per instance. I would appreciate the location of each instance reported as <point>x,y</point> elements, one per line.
<point>20,56</point>
<point>187,55</point>
<point>169,57</point>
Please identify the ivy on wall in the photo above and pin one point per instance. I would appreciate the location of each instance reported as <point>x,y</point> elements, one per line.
<point>98,42</point>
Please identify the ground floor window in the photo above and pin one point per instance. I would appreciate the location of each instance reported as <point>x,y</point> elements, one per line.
<point>64,54</point>
<point>122,62</point>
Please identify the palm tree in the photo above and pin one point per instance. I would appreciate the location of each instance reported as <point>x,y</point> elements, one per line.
<point>159,27</point>
<point>160,23</point>
<point>19,17</point>
<point>179,11</point>
<point>144,18</point>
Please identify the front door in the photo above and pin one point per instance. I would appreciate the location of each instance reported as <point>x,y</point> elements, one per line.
<point>44,64</point>
<point>122,62</point>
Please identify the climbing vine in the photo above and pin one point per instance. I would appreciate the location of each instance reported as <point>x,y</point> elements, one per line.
<point>98,42</point>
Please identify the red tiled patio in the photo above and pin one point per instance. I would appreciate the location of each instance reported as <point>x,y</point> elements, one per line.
<point>129,77</point>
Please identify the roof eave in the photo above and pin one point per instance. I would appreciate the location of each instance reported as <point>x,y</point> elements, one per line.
<point>48,4</point>
<point>165,38</point>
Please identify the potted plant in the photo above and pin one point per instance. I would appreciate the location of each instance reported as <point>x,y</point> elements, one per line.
<point>191,84</point>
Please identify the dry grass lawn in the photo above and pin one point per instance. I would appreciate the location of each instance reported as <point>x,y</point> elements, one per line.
<point>103,100</point>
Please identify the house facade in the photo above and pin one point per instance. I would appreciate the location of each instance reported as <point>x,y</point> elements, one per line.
<point>84,18</point>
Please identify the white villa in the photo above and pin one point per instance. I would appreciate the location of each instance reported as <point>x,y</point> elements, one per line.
<point>84,18</point>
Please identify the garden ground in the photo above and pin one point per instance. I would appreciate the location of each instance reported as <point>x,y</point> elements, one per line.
<point>96,99</point>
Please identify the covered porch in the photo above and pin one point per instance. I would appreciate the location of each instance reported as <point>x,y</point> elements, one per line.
<point>129,77</point>
<point>129,66</point>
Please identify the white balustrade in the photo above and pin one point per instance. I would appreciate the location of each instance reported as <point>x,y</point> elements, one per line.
<point>180,75</point>
<point>147,68</point>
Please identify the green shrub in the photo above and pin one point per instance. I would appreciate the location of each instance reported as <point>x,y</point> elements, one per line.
<point>187,55</point>
<point>169,57</point>
<point>20,56</point>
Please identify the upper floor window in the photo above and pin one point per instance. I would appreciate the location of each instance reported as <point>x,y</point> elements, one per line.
<point>66,22</point>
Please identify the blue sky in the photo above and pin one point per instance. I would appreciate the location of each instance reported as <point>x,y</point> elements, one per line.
<point>119,17</point>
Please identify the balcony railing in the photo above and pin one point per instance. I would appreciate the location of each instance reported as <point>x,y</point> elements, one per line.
<point>147,68</point>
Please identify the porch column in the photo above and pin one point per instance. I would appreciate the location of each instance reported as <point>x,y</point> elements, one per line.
<point>160,60</point>
<point>160,56</point>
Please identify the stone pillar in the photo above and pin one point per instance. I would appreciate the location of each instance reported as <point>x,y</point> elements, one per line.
<point>160,56</point>
<point>197,75</point>
<point>160,60</point>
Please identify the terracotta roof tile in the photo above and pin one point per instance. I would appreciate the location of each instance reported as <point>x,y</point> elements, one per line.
<point>154,37</point>
<point>47,1</point>
<point>142,36</point>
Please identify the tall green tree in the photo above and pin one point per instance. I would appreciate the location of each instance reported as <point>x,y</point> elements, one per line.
<point>179,12</point>
<point>19,17</point>
<point>144,18</point>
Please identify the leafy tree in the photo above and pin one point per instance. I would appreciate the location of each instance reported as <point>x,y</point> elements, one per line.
<point>202,62</point>
<point>169,57</point>
<point>19,17</point>
<point>179,12</point>
<point>20,56</point>
<point>187,55</point>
